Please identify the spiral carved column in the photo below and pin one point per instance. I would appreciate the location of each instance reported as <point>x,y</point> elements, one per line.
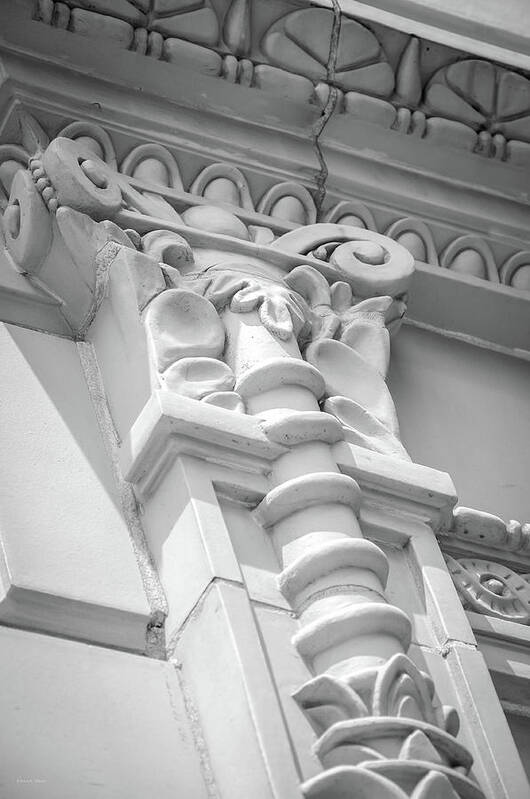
<point>380,731</point>
<point>380,734</point>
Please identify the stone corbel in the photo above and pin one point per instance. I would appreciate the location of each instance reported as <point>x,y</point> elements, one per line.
<point>336,310</point>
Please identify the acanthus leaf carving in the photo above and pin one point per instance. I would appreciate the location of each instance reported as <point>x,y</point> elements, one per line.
<point>237,31</point>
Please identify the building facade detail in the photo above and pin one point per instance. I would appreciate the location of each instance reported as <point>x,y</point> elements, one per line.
<point>304,610</point>
<point>286,341</point>
<point>154,174</point>
<point>468,103</point>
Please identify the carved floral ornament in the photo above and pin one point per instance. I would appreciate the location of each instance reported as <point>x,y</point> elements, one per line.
<point>245,328</point>
<point>468,103</point>
<point>491,589</point>
<point>485,584</point>
<point>154,186</point>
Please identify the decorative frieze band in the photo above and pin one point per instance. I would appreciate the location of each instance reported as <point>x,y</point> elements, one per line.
<point>380,75</point>
<point>485,551</point>
<point>150,178</point>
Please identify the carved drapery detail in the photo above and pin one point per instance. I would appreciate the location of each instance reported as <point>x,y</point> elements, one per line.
<point>238,329</point>
<point>467,103</point>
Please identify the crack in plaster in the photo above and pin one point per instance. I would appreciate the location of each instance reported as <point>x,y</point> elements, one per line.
<point>197,733</point>
<point>445,648</point>
<point>195,610</point>
<point>154,643</point>
<point>329,108</point>
<point>173,641</point>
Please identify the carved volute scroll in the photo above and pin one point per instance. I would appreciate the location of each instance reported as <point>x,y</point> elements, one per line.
<point>297,335</point>
<point>338,311</point>
<point>149,181</point>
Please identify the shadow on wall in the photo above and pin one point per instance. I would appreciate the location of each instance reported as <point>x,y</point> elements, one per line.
<point>466,411</point>
<point>45,391</point>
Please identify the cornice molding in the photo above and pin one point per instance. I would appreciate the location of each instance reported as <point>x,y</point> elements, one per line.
<point>490,30</point>
<point>488,530</point>
<point>399,81</point>
<point>478,311</point>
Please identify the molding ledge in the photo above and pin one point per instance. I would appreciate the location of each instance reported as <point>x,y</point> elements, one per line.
<point>398,70</point>
<point>492,30</point>
<point>379,179</point>
<point>170,426</point>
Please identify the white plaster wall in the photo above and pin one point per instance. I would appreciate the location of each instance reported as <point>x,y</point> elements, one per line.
<point>520,729</point>
<point>466,410</point>
<point>62,531</point>
<point>83,721</point>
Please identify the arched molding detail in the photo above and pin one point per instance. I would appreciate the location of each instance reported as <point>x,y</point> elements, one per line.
<point>410,225</point>
<point>288,189</point>
<point>351,208</point>
<point>228,172</point>
<point>89,130</point>
<point>511,267</point>
<point>157,152</point>
<point>476,244</point>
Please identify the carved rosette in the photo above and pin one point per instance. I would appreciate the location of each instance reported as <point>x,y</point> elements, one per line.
<point>491,588</point>
<point>275,332</point>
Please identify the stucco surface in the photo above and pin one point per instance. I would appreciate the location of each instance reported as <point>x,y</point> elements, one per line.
<point>88,722</point>
<point>62,528</point>
<point>465,410</point>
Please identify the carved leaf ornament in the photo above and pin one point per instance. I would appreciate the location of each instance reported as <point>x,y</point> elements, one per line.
<point>299,43</point>
<point>190,19</point>
<point>482,95</point>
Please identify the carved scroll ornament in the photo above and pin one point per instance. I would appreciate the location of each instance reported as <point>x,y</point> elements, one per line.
<point>339,310</point>
<point>274,332</point>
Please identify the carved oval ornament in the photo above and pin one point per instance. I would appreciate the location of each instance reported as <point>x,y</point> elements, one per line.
<point>183,324</point>
<point>491,589</point>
